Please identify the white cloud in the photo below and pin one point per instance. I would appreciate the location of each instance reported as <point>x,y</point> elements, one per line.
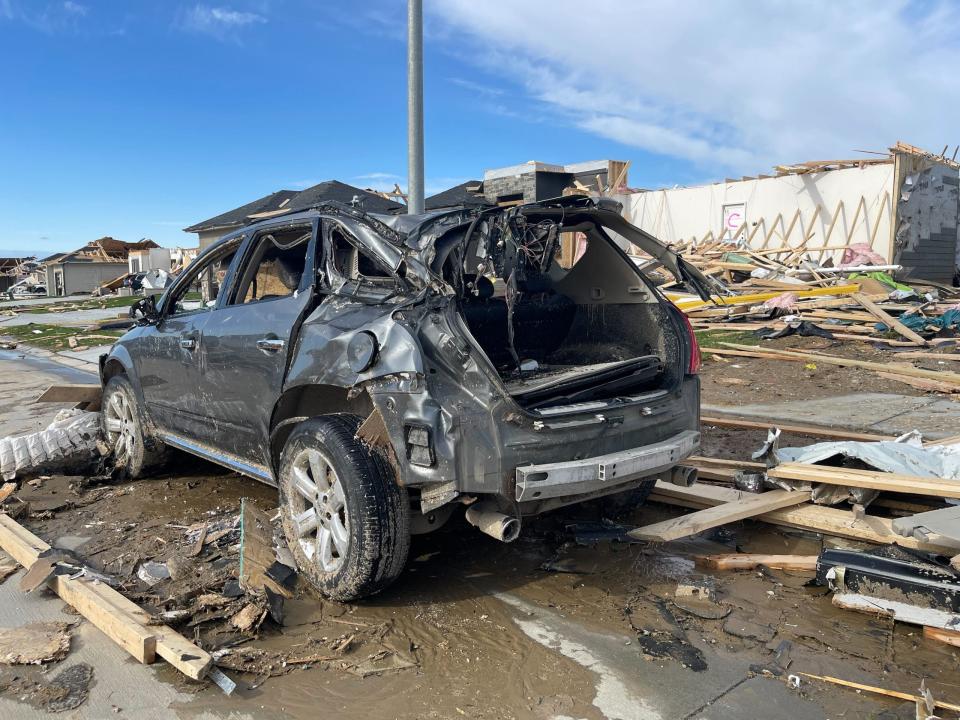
<point>220,22</point>
<point>379,176</point>
<point>74,8</point>
<point>732,87</point>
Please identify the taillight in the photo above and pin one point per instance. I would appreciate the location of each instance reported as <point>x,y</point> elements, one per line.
<point>694,366</point>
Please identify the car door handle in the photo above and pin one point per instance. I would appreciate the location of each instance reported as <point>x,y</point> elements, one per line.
<point>270,345</point>
<point>188,343</point>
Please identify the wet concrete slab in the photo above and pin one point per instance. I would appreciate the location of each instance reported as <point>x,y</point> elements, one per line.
<point>884,413</point>
<point>760,697</point>
<point>23,377</point>
<point>632,688</point>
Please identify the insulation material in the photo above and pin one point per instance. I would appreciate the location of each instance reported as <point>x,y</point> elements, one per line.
<point>72,440</point>
<point>907,455</point>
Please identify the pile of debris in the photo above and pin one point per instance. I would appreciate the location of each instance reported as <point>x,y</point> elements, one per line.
<point>914,486</point>
<point>788,291</point>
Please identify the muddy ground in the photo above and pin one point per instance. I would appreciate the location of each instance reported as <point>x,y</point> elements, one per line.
<point>547,627</point>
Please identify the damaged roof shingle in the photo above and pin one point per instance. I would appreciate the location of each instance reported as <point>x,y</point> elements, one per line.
<point>239,216</point>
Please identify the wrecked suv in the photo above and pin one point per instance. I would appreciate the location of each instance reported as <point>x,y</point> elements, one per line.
<point>382,371</point>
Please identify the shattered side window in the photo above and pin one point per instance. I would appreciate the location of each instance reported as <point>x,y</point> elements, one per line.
<point>200,292</point>
<point>352,269</point>
<point>276,267</point>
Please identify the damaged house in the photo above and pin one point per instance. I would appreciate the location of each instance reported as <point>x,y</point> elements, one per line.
<point>89,267</point>
<point>284,201</point>
<point>903,206</point>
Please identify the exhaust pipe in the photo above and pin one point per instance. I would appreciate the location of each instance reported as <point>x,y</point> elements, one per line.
<point>484,515</point>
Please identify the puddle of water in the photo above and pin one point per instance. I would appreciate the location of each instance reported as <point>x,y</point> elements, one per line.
<point>614,699</point>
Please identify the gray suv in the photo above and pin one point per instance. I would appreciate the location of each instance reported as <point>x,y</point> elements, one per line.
<point>383,371</point>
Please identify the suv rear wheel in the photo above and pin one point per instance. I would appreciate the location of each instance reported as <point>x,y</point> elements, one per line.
<point>345,518</point>
<point>124,428</point>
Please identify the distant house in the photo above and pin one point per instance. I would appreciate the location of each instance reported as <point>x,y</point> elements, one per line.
<point>146,259</point>
<point>532,181</point>
<point>14,269</point>
<point>468,194</point>
<point>284,201</point>
<point>334,190</point>
<point>216,227</point>
<point>89,267</point>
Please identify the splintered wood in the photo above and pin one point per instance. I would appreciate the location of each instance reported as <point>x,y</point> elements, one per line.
<point>124,622</point>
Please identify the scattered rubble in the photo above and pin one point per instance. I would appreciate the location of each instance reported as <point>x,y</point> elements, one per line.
<point>34,644</point>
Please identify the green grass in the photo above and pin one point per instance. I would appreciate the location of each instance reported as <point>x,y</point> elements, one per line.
<point>54,337</point>
<point>90,304</point>
<point>712,338</point>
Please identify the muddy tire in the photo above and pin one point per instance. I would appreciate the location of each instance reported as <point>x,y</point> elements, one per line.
<point>346,520</point>
<point>125,430</point>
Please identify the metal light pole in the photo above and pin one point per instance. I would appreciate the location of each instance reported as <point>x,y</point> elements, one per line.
<point>414,106</point>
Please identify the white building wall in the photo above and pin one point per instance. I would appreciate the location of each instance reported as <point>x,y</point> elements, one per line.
<point>861,200</point>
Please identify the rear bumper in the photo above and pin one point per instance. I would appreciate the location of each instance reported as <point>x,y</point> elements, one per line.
<point>575,477</point>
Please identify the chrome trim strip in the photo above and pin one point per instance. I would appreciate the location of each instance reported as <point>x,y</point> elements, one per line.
<point>257,472</point>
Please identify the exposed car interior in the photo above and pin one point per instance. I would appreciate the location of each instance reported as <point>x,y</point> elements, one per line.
<point>559,309</point>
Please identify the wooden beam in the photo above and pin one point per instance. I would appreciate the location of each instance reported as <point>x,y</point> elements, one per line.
<point>950,637</point>
<point>891,322</point>
<point>121,620</point>
<point>941,375</point>
<point>870,479</point>
<point>816,518</point>
<point>748,561</point>
<point>856,216</point>
<point>71,393</point>
<point>745,507</point>
<point>809,430</point>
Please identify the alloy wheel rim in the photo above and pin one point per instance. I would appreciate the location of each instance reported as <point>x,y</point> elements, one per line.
<point>120,426</point>
<point>319,510</point>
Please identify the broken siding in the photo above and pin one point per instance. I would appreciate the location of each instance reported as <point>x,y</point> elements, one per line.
<point>928,205</point>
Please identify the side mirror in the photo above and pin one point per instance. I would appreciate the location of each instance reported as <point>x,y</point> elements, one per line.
<point>145,311</point>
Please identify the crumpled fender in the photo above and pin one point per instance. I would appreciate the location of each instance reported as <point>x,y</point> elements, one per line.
<point>320,355</point>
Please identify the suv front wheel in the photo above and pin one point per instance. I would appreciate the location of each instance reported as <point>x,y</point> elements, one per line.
<point>345,518</point>
<point>124,428</point>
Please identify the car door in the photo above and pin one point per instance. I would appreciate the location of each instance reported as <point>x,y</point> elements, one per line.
<point>247,340</point>
<point>168,361</point>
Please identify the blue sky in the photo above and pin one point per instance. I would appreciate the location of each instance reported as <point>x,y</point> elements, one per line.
<point>137,118</point>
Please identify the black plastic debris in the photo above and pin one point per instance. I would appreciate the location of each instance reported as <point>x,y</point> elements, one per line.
<point>804,328</point>
<point>891,573</point>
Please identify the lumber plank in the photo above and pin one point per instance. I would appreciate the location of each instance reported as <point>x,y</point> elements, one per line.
<point>749,561</point>
<point>122,620</point>
<point>900,611</point>
<point>921,383</point>
<point>689,302</point>
<point>950,637</point>
<point>871,479</point>
<point>877,690</point>
<point>815,518</point>
<point>138,640</point>
<point>747,506</point>
<point>941,375</point>
<point>891,322</point>
<point>70,394</point>
<point>810,430</point>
